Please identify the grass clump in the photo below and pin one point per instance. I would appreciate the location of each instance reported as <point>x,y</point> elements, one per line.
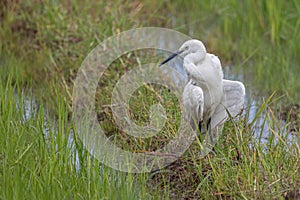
<point>40,159</point>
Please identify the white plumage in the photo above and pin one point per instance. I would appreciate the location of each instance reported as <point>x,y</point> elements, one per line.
<point>207,96</point>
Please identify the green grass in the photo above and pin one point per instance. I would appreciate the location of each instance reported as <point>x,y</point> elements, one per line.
<point>39,165</point>
<point>44,44</point>
<point>257,38</point>
<point>36,164</point>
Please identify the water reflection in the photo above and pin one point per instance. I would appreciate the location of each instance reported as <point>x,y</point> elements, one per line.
<point>261,129</point>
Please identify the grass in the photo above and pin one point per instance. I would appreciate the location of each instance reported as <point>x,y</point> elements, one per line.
<point>36,164</point>
<point>259,39</point>
<point>40,164</point>
<point>44,43</point>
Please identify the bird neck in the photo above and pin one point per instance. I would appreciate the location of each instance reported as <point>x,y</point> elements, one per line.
<point>195,58</point>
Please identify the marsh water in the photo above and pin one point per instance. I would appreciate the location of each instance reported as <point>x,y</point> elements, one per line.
<point>260,129</point>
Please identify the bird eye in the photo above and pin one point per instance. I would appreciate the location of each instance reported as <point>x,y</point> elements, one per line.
<point>187,48</point>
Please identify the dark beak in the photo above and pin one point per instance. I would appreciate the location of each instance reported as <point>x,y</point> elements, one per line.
<point>170,57</point>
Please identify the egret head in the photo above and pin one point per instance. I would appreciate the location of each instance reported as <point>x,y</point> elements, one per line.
<point>189,47</point>
<point>192,46</point>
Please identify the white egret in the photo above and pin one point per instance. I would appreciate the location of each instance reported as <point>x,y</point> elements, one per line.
<point>207,97</point>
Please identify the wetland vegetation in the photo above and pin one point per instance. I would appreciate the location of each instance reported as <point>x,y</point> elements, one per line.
<point>43,44</point>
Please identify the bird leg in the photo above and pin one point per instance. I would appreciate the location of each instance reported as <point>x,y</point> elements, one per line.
<point>208,126</point>
<point>200,128</point>
<point>200,125</point>
<point>200,133</point>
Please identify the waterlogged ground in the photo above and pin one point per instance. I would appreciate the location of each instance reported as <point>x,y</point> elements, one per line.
<point>260,133</point>
<point>261,128</point>
<point>44,43</point>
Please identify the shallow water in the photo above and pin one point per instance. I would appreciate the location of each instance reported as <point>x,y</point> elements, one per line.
<point>261,127</point>
<point>29,107</point>
<point>260,130</point>
<point>30,110</point>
